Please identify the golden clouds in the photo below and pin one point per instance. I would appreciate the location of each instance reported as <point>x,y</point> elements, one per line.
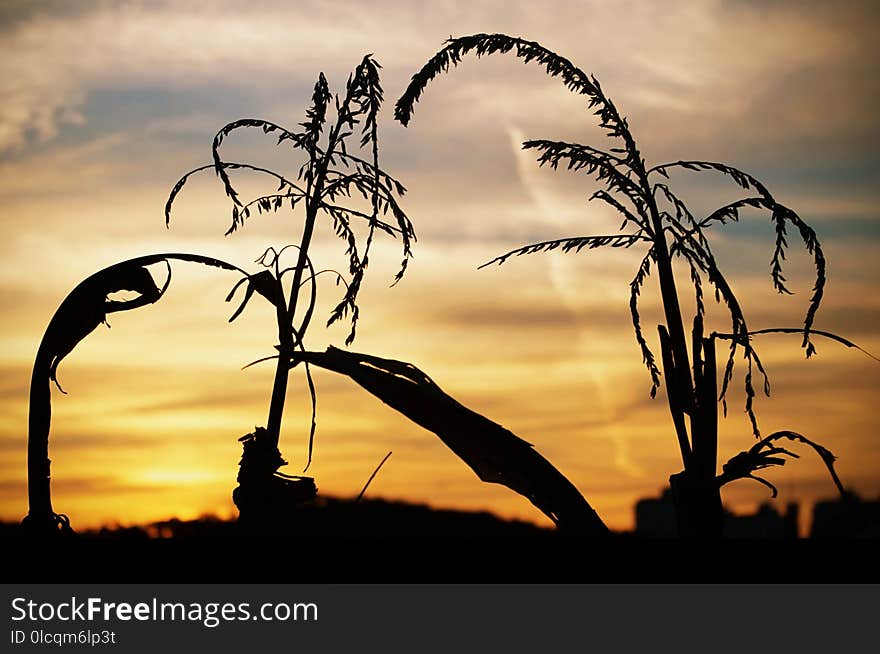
<point>543,345</point>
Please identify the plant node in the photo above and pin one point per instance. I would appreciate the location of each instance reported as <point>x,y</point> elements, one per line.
<point>263,494</point>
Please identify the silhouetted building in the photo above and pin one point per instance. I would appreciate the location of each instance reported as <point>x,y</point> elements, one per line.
<point>655,518</point>
<point>766,522</point>
<point>847,517</point>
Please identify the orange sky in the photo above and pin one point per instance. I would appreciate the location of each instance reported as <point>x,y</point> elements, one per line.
<point>103,106</point>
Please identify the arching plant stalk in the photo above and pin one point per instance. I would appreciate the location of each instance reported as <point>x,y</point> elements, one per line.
<point>82,311</point>
<point>654,215</point>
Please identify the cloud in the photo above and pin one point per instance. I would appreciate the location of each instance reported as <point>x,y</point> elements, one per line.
<point>51,62</point>
<point>54,57</point>
<point>80,486</point>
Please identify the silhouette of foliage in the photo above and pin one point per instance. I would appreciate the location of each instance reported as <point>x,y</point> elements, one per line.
<point>653,213</point>
<point>630,190</point>
<point>333,183</point>
<point>765,454</point>
<point>494,453</point>
<point>329,176</point>
<point>82,311</point>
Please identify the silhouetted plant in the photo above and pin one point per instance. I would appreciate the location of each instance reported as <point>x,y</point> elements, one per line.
<point>82,311</point>
<point>656,217</point>
<point>328,175</point>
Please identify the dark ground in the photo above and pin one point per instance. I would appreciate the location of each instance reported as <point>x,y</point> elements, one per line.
<point>376,541</point>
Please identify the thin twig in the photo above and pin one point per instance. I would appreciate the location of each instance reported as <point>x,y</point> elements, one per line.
<point>797,330</point>
<point>364,489</point>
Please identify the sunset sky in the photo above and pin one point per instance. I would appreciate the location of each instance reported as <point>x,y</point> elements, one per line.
<point>104,105</point>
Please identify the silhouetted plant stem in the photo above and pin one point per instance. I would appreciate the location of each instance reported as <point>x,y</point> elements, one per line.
<point>695,491</point>
<point>704,422</point>
<point>82,311</point>
<point>696,496</point>
<point>314,190</point>
<point>679,388</point>
<point>40,512</point>
<point>285,336</point>
<point>671,391</point>
<point>279,386</point>
<point>684,390</point>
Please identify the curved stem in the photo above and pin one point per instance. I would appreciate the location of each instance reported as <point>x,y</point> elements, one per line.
<point>79,313</point>
<point>39,420</point>
<point>285,332</point>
